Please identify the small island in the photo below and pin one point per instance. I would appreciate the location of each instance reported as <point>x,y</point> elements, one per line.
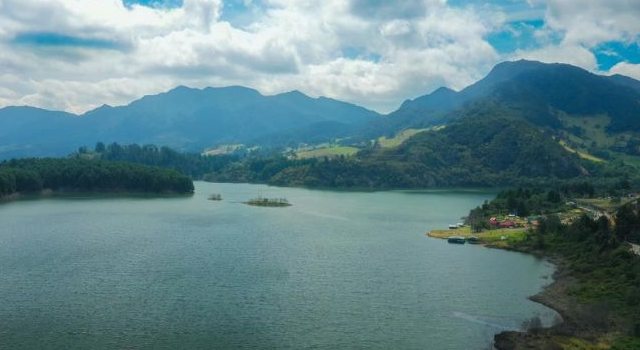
<point>268,202</point>
<point>215,197</point>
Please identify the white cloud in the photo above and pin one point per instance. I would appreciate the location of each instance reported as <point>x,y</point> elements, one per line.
<point>589,22</point>
<point>397,50</point>
<point>574,28</point>
<point>628,69</point>
<point>575,54</point>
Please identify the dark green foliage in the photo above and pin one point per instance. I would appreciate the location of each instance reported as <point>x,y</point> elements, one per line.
<point>477,219</point>
<point>628,223</point>
<point>34,175</point>
<point>529,201</point>
<point>100,147</point>
<point>192,164</point>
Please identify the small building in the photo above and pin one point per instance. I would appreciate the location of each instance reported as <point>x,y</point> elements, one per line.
<point>507,224</point>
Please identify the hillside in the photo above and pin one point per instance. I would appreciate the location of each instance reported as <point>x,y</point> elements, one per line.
<point>474,151</point>
<point>28,131</point>
<point>183,118</point>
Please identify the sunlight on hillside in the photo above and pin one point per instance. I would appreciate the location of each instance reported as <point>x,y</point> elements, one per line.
<point>401,137</point>
<point>327,151</point>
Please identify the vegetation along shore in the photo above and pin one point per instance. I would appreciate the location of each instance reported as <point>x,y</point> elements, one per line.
<point>596,286</point>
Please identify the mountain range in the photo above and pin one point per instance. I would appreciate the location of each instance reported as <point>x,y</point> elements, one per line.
<point>585,110</point>
<point>183,118</point>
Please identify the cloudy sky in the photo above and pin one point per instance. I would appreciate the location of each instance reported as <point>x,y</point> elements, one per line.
<point>75,55</point>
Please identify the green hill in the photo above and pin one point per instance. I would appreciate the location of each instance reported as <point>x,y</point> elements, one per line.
<point>590,113</point>
<point>474,151</point>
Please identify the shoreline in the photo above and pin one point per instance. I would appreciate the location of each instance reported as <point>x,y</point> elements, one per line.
<point>358,189</point>
<point>554,296</point>
<point>48,193</point>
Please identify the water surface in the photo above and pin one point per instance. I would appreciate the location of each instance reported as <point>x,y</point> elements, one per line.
<point>336,270</point>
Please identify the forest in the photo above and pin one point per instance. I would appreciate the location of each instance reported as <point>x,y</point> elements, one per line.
<point>191,164</point>
<point>73,174</point>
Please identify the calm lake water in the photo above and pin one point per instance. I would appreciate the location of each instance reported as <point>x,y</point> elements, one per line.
<point>337,270</point>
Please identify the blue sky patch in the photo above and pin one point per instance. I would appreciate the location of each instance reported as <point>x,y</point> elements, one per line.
<point>516,35</point>
<point>611,53</point>
<point>154,3</point>
<point>360,53</point>
<point>47,39</point>
<point>241,13</point>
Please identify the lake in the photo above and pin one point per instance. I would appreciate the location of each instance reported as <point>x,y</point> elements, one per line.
<point>337,270</point>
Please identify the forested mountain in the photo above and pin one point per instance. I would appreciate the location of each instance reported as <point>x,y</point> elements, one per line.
<point>539,92</point>
<point>183,118</point>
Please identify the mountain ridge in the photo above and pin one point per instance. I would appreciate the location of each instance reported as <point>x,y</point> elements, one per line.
<point>184,118</point>
<point>193,119</point>
<point>509,77</point>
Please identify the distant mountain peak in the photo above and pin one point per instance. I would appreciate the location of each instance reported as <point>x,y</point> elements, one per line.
<point>181,88</point>
<point>443,90</point>
<point>294,94</point>
<point>533,90</point>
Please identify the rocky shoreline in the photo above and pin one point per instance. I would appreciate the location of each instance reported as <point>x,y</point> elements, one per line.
<point>556,297</point>
<point>579,323</point>
<point>582,325</point>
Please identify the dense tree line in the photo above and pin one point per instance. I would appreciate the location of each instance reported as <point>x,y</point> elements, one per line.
<point>33,175</point>
<point>628,223</point>
<point>522,202</point>
<point>192,164</point>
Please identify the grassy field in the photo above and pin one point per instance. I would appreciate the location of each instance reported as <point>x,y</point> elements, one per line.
<point>593,128</point>
<point>572,343</point>
<point>327,151</point>
<point>581,154</point>
<point>606,204</point>
<point>222,149</point>
<point>493,237</point>
<point>399,138</point>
